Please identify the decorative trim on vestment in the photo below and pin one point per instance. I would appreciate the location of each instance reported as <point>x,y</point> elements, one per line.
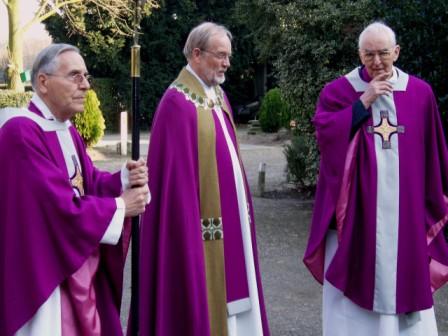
<point>46,125</point>
<point>385,129</point>
<point>197,99</point>
<point>212,228</point>
<point>210,198</point>
<point>77,180</point>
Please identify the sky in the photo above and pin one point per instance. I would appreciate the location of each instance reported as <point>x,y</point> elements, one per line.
<point>28,8</point>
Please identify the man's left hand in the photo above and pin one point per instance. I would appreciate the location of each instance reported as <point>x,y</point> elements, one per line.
<point>138,173</point>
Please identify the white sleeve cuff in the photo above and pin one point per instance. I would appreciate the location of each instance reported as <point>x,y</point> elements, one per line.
<point>124,175</point>
<point>113,232</point>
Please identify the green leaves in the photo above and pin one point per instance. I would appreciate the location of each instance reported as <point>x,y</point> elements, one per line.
<point>273,111</point>
<point>90,123</point>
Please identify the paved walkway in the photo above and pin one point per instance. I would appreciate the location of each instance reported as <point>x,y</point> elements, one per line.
<point>293,297</point>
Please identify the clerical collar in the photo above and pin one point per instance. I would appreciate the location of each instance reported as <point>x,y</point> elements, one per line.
<point>209,90</point>
<point>365,75</point>
<point>43,108</point>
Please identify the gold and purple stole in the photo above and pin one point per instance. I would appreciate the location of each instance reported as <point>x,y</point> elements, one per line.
<point>210,203</point>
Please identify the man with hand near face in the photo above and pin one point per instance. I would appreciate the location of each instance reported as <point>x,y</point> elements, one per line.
<point>376,240</point>
<point>63,241</point>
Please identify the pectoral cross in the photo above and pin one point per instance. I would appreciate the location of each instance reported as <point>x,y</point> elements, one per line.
<point>77,180</point>
<point>385,129</point>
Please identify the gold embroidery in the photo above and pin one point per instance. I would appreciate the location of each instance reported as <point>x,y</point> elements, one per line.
<point>77,181</point>
<point>385,129</point>
<point>212,229</point>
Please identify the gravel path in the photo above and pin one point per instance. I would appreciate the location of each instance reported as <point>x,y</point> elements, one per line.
<point>292,296</point>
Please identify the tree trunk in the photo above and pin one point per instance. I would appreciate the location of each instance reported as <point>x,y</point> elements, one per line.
<point>15,47</point>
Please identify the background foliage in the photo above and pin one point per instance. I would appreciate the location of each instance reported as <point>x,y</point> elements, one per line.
<point>422,34</point>
<point>274,112</point>
<point>314,41</point>
<point>111,105</point>
<point>162,41</point>
<point>10,98</point>
<point>90,123</point>
<point>301,44</point>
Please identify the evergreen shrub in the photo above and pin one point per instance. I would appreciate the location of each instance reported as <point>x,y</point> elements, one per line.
<point>302,162</point>
<point>90,123</point>
<point>10,98</point>
<point>273,111</point>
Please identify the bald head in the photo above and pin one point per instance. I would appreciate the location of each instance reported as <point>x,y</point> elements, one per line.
<point>377,29</point>
<point>378,49</point>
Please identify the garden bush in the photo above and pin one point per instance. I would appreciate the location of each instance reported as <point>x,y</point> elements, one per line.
<point>10,98</point>
<point>302,162</point>
<point>90,123</point>
<point>273,111</point>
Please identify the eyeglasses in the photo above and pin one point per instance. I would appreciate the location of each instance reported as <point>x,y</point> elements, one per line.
<point>220,55</point>
<point>384,54</point>
<point>77,78</point>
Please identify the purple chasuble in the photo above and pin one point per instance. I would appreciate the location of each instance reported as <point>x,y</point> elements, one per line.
<point>47,232</point>
<point>173,298</point>
<point>347,190</point>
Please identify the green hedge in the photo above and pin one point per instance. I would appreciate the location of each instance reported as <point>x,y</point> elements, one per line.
<point>10,98</point>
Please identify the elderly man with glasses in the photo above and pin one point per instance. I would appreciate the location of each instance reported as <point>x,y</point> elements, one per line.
<point>199,267</point>
<point>63,240</point>
<point>376,240</point>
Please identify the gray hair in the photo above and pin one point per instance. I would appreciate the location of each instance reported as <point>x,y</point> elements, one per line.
<point>377,27</point>
<point>200,36</point>
<point>46,60</point>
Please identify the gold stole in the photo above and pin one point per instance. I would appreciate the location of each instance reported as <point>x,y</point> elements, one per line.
<point>211,222</point>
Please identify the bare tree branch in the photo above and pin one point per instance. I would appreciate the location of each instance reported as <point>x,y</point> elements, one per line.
<point>43,4</point>
<point>118,10</point>
<point>39,17</point>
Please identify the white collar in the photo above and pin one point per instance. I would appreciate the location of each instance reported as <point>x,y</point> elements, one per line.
<point>209,91</point>
<point>43,108</point>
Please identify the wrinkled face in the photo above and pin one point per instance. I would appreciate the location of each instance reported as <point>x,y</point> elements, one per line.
<point>213,62</point>
<point>378,54</point>
<point>64,90</point>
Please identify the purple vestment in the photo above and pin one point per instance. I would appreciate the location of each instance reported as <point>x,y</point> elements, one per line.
<point>347,190</point>
<point>173,293</point>
<point>47,232</point>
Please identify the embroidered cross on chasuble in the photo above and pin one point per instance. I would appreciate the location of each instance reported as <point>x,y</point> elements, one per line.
<point>385,129</point>
<point>77,180</point>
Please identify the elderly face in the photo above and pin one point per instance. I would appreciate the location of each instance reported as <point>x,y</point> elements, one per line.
<point>65,89</point>
<point>378,54</point>
<point>213,62</point>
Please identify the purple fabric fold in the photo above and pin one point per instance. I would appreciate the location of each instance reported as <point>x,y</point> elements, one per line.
<point>57,232</point>
<point>347,189</point>
<point>343,199</point>
<point>173,295</point>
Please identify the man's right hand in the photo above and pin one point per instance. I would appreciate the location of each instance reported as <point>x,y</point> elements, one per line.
<point>135,200</point>
<point>378,86</point>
